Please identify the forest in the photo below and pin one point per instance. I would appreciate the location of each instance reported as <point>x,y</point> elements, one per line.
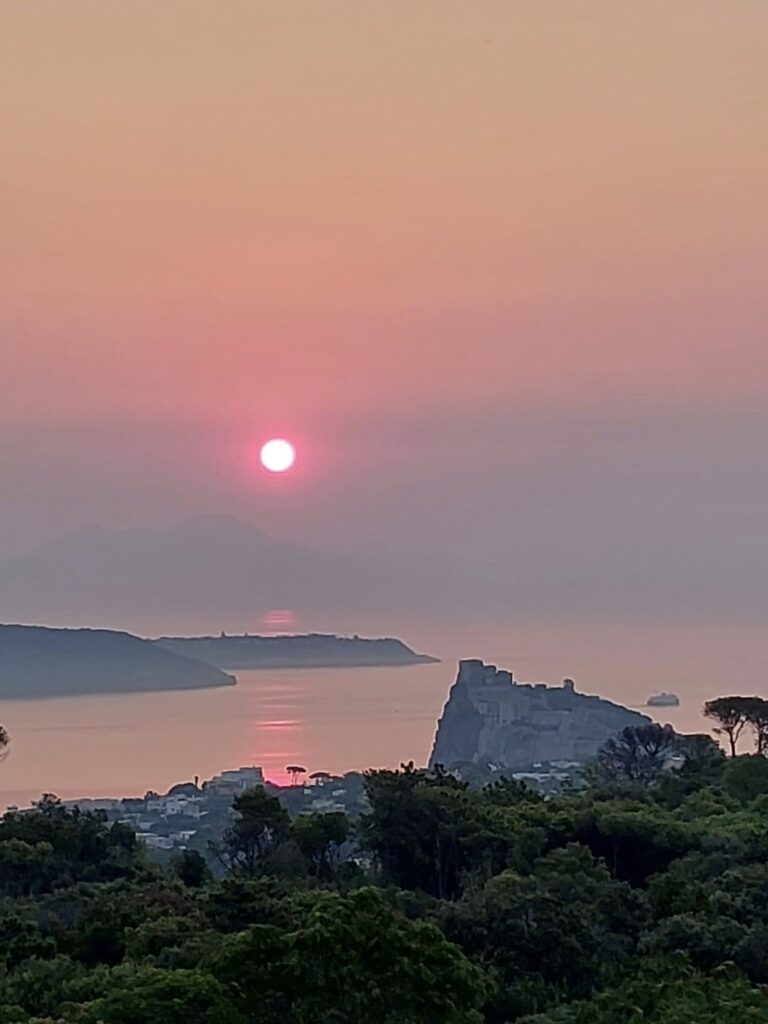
<point>638,894</point>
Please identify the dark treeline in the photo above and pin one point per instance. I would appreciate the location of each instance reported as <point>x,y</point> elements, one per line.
<point>639,896</point>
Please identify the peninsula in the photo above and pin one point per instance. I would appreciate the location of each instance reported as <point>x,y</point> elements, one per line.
<point>36,661</point>
<point>312,650</point>
<point>490,717</point>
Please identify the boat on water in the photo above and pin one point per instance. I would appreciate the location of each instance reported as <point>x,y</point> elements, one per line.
<point>662,700</point>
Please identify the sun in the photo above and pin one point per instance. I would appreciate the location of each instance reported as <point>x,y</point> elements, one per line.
<point>277,455</point>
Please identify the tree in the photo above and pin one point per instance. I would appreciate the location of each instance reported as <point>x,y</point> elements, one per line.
<point>427,830</point>
<point>702,758</point>
<point>746,777</point>
<point>191,867</point>
<point>703,761</point>
<point>25,867</point>
<point>173,997</point>
<point>668,991</point>
<point>561,932</point>
<point>636,838</point>
<point>261,825</point>
<point>758,719</point>
<point>414,826</point>
<point>639,753</point>
<point>506,792</point>
<point>40,984</point>
<point>732,715</point>
<point>350,959</point>
<point>295,770</point>
<point>320,838</point>
<point>5,739</point>
<point>61,846</point>
<point>708,940</point>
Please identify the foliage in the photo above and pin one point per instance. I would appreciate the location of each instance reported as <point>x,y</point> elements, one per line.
<point>746,777</point>
<point>669,992</point>
<point>351,958</point>
<point>638,899</point>
<point>734,714</point>
<point>559,932</point>
<point>320,837</point>
<point>191,868</point>
<point>427,831</point>
<point>55,846</point>
<point>703,763</point>
<point>173,997</point>
<point>261,825</point>
<point>638,754</point>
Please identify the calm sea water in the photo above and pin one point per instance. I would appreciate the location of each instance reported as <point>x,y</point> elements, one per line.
<point>341,719</point>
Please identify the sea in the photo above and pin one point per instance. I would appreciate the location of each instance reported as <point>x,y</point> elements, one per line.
<point>348,719</point>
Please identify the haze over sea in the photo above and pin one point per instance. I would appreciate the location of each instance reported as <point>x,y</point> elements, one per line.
<point>353,718</point>
<point>495,271</point>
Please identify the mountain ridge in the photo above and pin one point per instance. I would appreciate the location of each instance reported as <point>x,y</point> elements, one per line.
<point>212,565</point>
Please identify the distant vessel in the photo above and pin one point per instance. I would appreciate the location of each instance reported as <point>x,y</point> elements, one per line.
<point>662,700</point>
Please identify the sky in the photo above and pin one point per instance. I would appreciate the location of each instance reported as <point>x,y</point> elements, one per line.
<point>497,268</point>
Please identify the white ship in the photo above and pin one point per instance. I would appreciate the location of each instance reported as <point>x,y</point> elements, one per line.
<point>663,700</point>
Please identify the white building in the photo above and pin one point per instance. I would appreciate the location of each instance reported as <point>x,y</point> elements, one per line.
<point>236,780</point>
<point>153,842</point>
<point>95,803</point>
<point>168,806</point>
<point>183,836</point>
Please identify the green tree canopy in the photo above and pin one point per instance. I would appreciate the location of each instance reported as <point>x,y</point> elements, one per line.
<point>352,958</point>
<point>320,838</point>
<point>166,997</point>
<point>746,777</point>
<point>261,825</point>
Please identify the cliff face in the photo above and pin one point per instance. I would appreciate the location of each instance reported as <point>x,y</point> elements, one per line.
<point>490,717</point>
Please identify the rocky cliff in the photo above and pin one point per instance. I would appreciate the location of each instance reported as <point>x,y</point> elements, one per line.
<point>491,717</point>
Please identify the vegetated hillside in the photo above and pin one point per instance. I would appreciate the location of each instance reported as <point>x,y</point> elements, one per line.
<point>313,650</point>
<point>639,897</point>
<point>36,661</point>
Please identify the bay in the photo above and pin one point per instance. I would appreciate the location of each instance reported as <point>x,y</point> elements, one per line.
<point>338,720</point>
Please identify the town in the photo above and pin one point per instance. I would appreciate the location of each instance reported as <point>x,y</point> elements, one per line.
<point>192,814</point>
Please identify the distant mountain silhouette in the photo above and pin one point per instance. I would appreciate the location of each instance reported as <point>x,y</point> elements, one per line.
<point>212,565</point>
<point>40,662</point>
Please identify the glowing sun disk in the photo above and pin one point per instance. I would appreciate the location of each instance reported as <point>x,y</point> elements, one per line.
<point>277,455</point>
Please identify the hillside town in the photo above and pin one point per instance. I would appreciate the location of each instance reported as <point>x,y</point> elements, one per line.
<point>192,813</point>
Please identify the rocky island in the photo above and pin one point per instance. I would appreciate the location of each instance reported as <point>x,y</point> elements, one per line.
<point>312,650</point>
<point>36,661</point>
<point>490,717</point>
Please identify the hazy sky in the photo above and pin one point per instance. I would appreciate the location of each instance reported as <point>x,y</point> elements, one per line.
<point>497,266</point>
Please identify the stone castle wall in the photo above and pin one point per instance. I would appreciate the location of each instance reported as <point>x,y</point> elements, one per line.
<point>491,717</point>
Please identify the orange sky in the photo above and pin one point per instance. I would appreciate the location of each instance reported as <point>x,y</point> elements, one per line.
<point>406,232</point>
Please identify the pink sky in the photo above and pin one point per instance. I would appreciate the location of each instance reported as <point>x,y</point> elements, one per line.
<point>405,233</point>
<point>341,206</point>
